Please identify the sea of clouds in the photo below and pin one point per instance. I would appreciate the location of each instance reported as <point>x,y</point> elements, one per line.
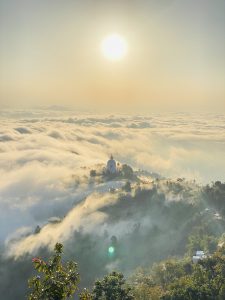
<point>46,157</point>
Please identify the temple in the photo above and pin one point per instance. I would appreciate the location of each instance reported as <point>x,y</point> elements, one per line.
<point>111,166</point>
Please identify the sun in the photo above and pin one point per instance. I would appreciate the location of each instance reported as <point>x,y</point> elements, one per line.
<point>114,47</point>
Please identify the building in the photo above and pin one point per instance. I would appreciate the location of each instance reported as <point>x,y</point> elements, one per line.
<point>198,256</point>
<point>111,166</point>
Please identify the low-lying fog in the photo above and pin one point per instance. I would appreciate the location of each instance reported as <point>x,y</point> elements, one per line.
<point>45,156</point>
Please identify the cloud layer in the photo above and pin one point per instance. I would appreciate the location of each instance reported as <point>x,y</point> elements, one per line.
<point>46,156</point>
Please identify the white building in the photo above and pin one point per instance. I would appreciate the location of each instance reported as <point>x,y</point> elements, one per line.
<point>198,256</point>
<point>111,166</point>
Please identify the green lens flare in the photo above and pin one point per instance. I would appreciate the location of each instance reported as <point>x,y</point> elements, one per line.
<point>111,250</point>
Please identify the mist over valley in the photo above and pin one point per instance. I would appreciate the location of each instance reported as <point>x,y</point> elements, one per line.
<point>54,189</point>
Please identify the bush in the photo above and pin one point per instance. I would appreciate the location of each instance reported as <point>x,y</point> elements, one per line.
<point>93,173</point>
<point>112,287</point>
<point>55,282</point>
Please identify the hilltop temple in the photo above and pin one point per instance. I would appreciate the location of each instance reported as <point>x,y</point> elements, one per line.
<point>111,166</point>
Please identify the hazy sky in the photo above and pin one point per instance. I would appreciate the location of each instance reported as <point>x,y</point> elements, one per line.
<point>50,54</point>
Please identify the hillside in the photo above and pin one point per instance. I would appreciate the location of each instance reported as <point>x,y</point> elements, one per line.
<point>155,220</point>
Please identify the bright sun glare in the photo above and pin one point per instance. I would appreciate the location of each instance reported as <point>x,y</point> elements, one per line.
<point>114,47</point>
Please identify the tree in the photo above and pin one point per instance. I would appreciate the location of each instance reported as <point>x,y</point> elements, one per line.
<point>127,171</point>
<point>200,241</point>
<point>85,295</point>
<point>93,173</point>
<point>144,287</point>
<point>127,187</point>
<point>112,287</point>
<point>145,292</point>
<point>167,271</point>
<point>207,281</point>
<point>55,282</point>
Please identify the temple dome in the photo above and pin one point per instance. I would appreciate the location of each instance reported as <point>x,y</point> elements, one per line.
<point>111,165</point>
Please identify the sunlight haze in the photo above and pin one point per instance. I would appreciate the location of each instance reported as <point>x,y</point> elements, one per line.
<point>50,54</point>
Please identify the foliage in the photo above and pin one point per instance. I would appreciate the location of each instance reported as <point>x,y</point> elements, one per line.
<point>55,282</point>
<point>214,195</point>
<point>85,295</point>
<point>127,187</point>
<point>144,292</point>
<point>112,287</point>
<point>167,271</point>
<point>204,242</point>
<point>127,171</point>
<point>93,173</point>
<point>144,288</point>
<point>206,282</point>
<point>180,279</point>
